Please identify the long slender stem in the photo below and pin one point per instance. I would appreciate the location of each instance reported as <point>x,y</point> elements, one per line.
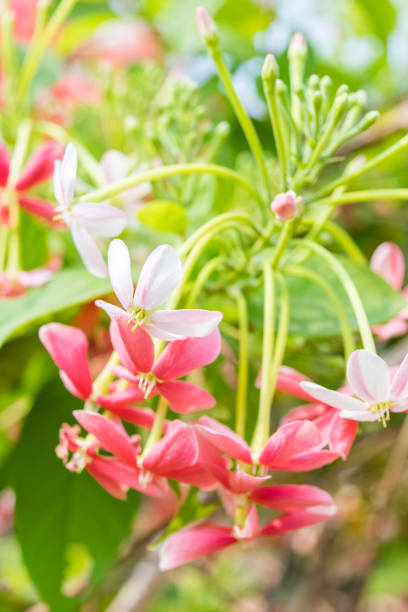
<point>276,121</point>
<point>241,403</point>
<point>19,152</point>
<point>350,289</point>
<point>399,146</point>
<point>371,194</point>
<point>284,238</point>
<point>345,241</point>
<point>115,189</point>
<point>202,278</point>
<point>346,332</point>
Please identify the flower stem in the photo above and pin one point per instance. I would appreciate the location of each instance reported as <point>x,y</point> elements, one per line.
<point>276,121</point>
<point>350,289</point>
<point>345,241</point>
<point>307,273</point>
<point>241,404</point>
<point>371,194</point>
<point>19,152</point>
<point>284,238</point>
<point>117,188</point>
<point>202,278</point>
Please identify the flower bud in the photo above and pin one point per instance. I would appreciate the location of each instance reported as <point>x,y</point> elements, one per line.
<point>297,46</point>
<point>270,69</point>
<point>285,205</point>
<point>206,25</point>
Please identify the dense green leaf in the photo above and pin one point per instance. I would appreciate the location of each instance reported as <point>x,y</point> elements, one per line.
<point>62,519</point>
<point>68,288</point>
<point>164,216</point>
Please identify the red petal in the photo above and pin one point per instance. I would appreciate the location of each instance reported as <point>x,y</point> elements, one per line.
<point>291,497</point>
<point>289,381</point>
<point>177,451</point>
<point>40,166</point>
<point>297,520</point>
<point>225,439</point>
<point>143,417</point>
<point>184,397</point>
<point>4,165</point>
<point>116,399</point>
<point>40,208</point>
<point>135,348</point>
<point>289,441</point>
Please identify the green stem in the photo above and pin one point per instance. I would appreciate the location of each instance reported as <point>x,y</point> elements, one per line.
<point>19,152</point>
<point>202,278</point>
<point>400,145</point>
<point>276,121</point>
<point>284,238</point>
<point>241,404</point>
<point>4,235</point>
<point>349,287</point>
<point>346,331</point>
<point>39,45</point>
<point>244,120</point>
<point>115,189</point>
<point>371,194</point>
<point>345,241</point>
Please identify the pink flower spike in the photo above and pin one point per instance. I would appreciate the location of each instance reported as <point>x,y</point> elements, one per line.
<point>388,261</point>
<point>68,348</point>
<point>285,205</point>
<point>193,542</point>
<point>40,166</point>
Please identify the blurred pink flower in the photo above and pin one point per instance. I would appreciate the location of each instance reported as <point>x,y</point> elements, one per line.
<point>25,13</point>
<point>160,275</point>
<point>16,285</point>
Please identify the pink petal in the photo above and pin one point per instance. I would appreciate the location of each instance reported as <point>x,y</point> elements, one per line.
<point>225,439</point>
<point>251,526</point>
<point>307,412</point>
<point>113,312</point>
<point>115,488</point>
<point>100,219</point>
<point>119,399</point>
<point>193,542</point>
<point>68,347</point>
<point>185,398</point>
<point>4,165</point>
<point>40,208</point>
<point>289,498</point>
<point>243,483</point>
<point>120,272</point>
<point>309,460</point>
<point>185,323</point>
<point>289,381</point>
<point>287,442</point>
<point>88,250</point>
<point>110,436</point>
<point>394,328</point>
<point>182,356</point>
<point>143,417</point>
<point>160,275</point>
<point>399,387</point>
<point>342,435</point>
<point>297,520</point>
<point>65,176</point>
<point>178,450</point>
<point>135,348</point>
<point>123,474</point>
<point>115,166</point>
<point>388,261</point>
<point>333,398</point>
<point>369,376</point>
<point>40,166</point>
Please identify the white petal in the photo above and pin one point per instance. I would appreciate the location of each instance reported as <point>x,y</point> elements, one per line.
<point>160,334</point>
<point>89,251</point>
<point>115,166</point>
<point>66,173</point>
<point>399,387</point>
<point>120,272</point>
<point>359,415</point>
<point>185,323</point>
<point>111,310</point>
<point>333,398</point>
<point>160,275</point>
<point>100,219</point>
<point>369,376</point>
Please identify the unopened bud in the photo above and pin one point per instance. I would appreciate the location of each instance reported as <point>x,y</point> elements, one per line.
<point>313,82</point>
<point>206,25</point>
<point>285,205</point>
<point>297,46</point>
<point>368,120</point>
<point>270,69</point>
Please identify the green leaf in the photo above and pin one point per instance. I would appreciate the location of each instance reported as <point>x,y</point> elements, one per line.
<point>65,522</point>
<point>312,315</point>
<point>68,288</point>
<point>164,216</point>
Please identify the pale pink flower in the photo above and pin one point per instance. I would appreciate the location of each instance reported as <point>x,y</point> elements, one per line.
<point>205,23</point>
<point>376,392</point>
<point>86,219</point>
<point>388,262</point>
<point>285,205</point>
<point>16,285</point>
<point>158,278</point>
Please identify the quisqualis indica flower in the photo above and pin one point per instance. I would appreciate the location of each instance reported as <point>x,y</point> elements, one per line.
<point>86,219</point>
<point>376,391</point>
<point>159,276</point>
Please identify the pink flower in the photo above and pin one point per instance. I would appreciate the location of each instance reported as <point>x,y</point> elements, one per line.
<point>15,286</point>
<point>388,262</point>
<point>180,357</point>
<point>301,506</point>
<point>338,433</point>
<point>122,43</point>
<point>37,170</point>
<point>86,219</point>
<point>376,394</point>
<point>159,276</point>
<point>25,13</point>
<point>285,205</point>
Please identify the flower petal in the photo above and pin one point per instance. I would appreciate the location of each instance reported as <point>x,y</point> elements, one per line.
<point>135,348</point>
<point>193,542</point>
<point>290,497</point>
<point>225,439</point>
<point>182,356</point>
<point>399,387</point>
<point>68,348</point>
<point>159,276</point>
<point>111,310</point>
<point>369,376</point>
<point>289,380</point>
<point>65,176</point>
<point>40,166</point>
<point>388,261</point>
<point>117,399</point>
<point>359,415</point>
<point>115,166</point>
<point>186,322</point>
<point>100,219</point>
<point>333,398</point>
<point>143,417</point>
<point>88,250</point>
<point>40,208</point>
<point>287,442</point>
<point>185,398</point>
<point>110,436</point>
<point>4,165</point>
<point>178,450</point>
<point>120,272</point>
<point>297,520</point>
